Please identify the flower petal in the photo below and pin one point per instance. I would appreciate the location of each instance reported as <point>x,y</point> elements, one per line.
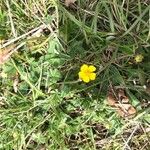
<point>81,74</point>
<point>84,68</point>
<point>92,76</point>
<point>139,58</point>
<point>86,79</point>
<point>92,68</point>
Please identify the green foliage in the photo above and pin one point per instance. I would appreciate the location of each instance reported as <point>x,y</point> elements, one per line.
<point>43,105</point>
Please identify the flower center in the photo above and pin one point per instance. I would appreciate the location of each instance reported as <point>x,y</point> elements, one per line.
<point>87,72</point>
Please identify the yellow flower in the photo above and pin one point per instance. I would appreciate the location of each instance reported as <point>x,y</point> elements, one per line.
<point>87,73</point>
<point>138,58</point>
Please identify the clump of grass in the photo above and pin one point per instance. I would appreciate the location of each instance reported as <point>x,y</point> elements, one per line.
<point>43,105</point>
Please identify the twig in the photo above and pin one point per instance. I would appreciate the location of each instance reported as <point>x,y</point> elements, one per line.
<point>126,144</point>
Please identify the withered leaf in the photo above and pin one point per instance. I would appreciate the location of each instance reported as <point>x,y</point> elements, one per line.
<point>5,53</point>
<point>124,106</point>
<point>126,110</point>
<point>120,112</point>
<point>111,100</point>
<point>121,102</point>
<point>122,96</point>
<point>131,110</point>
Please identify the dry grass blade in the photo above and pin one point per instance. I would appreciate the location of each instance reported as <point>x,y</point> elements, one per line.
<point>68,2</point>
<point>22,36</point>
<point>15,84</point>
